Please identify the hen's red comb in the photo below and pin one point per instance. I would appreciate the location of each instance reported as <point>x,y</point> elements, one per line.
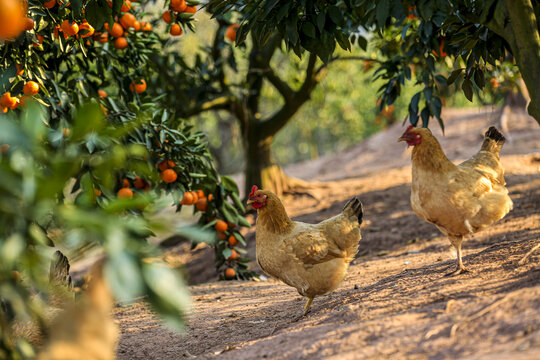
<point>253,189</point>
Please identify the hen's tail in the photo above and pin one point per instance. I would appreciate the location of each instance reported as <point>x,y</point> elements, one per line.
<point>493,140</point>
<point>354,207</point>
<point>60,281</point>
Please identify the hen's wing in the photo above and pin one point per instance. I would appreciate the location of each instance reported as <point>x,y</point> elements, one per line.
<point>309,245</point>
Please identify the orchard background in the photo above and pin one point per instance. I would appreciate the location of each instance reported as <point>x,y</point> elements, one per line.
<point>111,111</point>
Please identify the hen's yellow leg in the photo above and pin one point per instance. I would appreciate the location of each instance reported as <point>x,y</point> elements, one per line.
<point>308,305</point>
<point>460,268</point>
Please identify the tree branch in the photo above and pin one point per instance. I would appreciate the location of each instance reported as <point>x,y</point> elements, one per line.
<point>272,125</point>
<point>223,102</point>
<point>280,85</point>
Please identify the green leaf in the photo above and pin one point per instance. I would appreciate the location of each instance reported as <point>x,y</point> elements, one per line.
<point>242,221</point>
<point>454,75</point>
<point>197,235</point>
<point>321,18</point>
<point>229,184</point>
<point>479,78</point>
<point>335,15</point>
<point>382,12</point>
<point>309,29</point>
<point>123,275</point>
<point>226,253</point>
<point>467,88</point>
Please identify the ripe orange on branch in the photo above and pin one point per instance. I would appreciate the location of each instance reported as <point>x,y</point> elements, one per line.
<point>121,43</point>
<point>28,23</point>
<point>221,225</point>
<point>178,5</point>
<point>11,19</point>
<point>31,88</point>
<point>50,4</point>
<point>187,199</point>
<point>230,33</point>
<point>128,21</point>
<point>230,273</point>
<point>202,204</point>
<point>69,28</point>
<point>126,6</point>
<point>125,193</point>
<point>233,241</point>
<point>138,86</point>
<point>169,176</point>
<point>8,101</point>
<point>116,30</point>
<point>176,30</point>
<point>166,16</point>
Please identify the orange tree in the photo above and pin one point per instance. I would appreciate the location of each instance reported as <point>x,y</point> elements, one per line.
<point>88,150</point>
<point>419,35</point>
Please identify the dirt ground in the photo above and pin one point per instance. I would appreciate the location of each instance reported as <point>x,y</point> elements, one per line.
<point>396,302</point>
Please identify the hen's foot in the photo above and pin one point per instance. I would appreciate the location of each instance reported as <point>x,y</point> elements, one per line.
<point>458,271</point>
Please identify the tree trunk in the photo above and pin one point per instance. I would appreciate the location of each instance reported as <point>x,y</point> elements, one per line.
<point>261,170</point>
<point>524,39</point>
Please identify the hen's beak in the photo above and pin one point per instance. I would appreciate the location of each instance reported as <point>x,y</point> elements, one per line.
<point>249,206</point>
<point>401,139</point>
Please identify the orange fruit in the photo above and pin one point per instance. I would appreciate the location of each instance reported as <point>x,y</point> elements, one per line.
<point>146,26</point>
<point>176,30</point>
<point>50,4</point>
<point>170,162</point>
<point>169,176</point>
<point>88,29</point>
<point>231,225</point>
<point>102,93</point>
<point>162,166</point>
<point>230,33</point>
<point>221,235</point>
<point>31,88</point>
<point>221,225</point>
<point>20,70</point>
<point>8,101</point>
<point>233,241</point>
<point>69,29</point>
<point>4,148</point>
<point>125,183</point>
<point>166,16</point>
<point>139,87</point>
<point>210,197</point>
<point>28,23</point>
<point>188,199</point>
<point>178,5</point>
<point>230,273</point>
<point>125,193</point>
<point>102,37</point>
<point>138,182</point>
<point>126,6</point>
<point>191,9</point>
<point>11,19</point>
<point>127,21</point>
<point>116,30</point>
<point>97,192</point>
<point>3,110</point>
<point>65,132</point>
<point>195,196</point>
<point>202,204</point>
<point>200,194</point>
<point>121,43</point>
<point>137,25</point>
<point>234,255</point>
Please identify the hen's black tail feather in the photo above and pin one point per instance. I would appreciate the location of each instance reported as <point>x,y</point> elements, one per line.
<point>495,134</point>
<point>59,271</point>
<point>493,140</point>
<point>356,206</point>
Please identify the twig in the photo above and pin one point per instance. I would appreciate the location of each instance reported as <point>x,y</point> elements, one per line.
<point>480,313</point>
<point>274,329</point>
<point>522,261</point>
